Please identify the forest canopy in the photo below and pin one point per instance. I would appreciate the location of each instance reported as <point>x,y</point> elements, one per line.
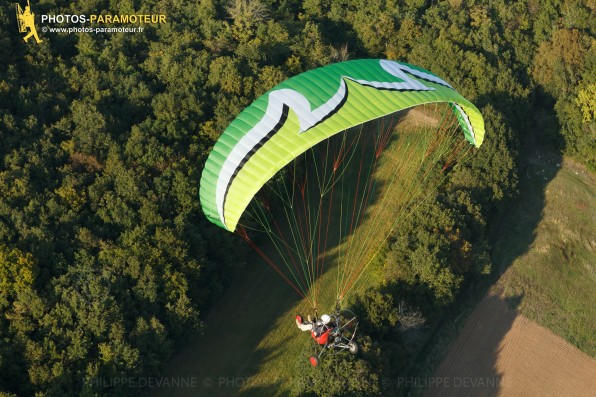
<point>107,263</point>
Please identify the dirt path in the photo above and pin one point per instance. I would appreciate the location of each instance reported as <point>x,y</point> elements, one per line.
<point>501,353</point>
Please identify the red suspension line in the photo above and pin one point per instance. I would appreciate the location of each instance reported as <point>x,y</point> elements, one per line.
<point>244,235</point>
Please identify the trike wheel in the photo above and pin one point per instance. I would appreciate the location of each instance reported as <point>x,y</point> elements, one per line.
<point>314,361</point>
<point>353,347</point>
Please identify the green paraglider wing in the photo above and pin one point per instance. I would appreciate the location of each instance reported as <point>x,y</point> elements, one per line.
<point>307,109</point>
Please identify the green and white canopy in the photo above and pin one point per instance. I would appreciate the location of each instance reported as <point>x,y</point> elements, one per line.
<point>307,109</point>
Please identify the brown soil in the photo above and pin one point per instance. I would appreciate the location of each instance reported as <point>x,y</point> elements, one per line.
<point>502,353</point>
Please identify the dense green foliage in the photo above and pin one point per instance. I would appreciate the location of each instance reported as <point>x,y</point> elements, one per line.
<point>106,262</point>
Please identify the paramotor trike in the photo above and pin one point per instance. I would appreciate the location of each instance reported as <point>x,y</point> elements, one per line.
<point>340,336</point>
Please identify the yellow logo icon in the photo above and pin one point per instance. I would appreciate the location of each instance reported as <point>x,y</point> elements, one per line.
<point>25,20</point>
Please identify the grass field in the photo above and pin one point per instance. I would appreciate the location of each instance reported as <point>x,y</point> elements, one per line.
<point>551,265</point>
<point>546,260</point>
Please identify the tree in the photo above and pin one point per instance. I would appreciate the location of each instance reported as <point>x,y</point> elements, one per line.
<point>559,62</point>
<point>337,375</point>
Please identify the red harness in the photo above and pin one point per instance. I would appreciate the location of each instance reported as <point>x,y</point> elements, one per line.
<point>323,337</point>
